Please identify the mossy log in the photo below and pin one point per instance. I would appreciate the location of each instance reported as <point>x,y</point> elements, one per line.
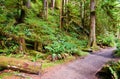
<point>20,65</point>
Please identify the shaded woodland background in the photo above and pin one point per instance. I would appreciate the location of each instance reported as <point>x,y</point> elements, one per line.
<point>56,26</point>
<point>56,29</point>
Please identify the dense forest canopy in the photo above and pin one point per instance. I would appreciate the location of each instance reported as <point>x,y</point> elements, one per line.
<point>56,27</point>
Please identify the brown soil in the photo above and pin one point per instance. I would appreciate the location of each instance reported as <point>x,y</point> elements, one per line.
<point>85,68</point>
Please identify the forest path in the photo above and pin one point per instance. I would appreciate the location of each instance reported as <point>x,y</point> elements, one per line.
<point>81,68</point>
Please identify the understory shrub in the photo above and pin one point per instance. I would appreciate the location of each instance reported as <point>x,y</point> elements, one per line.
<point>61,47</point>
<point>117,51</point>
<point>54,40</point>
<point>110,71</point>
<point>106,40</point>
<point>8,45</point>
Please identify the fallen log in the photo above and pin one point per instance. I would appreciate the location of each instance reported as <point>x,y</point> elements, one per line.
<point>20,65</point>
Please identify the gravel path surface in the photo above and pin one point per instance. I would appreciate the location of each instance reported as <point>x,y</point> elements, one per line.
<point>80,68</point>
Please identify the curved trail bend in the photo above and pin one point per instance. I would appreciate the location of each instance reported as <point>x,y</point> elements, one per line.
<point>81,68</point>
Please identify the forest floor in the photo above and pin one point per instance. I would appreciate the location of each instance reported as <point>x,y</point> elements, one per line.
<point>84,68</point>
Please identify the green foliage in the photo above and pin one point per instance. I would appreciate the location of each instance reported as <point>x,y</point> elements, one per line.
<point>50,64</point>
<point>56,42</point>
<point>107,16</point>
<point>35,58</point>
<point>107,40</point>
<point>71,39</point>
<point>111,70</point>
<point>8,45</point>
<point>118,43</point>
<point>68,46</point>
<point>58,4</point>
<point>117,51</point>
<point>36,7</point>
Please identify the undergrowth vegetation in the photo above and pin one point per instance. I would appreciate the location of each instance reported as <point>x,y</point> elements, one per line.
<point>42,31</point>
<point>117,51</point>
<point>26,25</point>
<point>110,71</point>
<point>50,39</point>
<point>106,40</point>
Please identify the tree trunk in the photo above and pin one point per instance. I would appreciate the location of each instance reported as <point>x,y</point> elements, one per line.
<point>92,42</point>
<point>61,13</point>
<point>65,3</point>
<point>82,12</point>
<point>20,65</point>
<point>45,9</point>
<point>22,16</point>
<point>23,11</point>
<point>52,4</point>
<point>28,4</point>
<point>22,45</point>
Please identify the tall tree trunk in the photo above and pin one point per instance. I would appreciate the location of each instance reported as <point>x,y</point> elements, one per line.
<point>22,45</point>
<point>45,9</point>
<point>28,4</point>
<point>82,12</point>
<point>66,14</point>
<point>67,1</point>
<point>61,13</point>
<point>22,16</point>
<point>92,42</point>
<point>52,4</point>
<point>23,11</point>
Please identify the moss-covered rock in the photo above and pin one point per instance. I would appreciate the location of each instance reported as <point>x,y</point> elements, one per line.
<point>110,71</point>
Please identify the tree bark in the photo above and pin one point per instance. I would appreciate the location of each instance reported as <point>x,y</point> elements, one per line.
<point>45,9</point>
<point>92,41</point>
<point>23,11</point>
<point>22,44</point>
<point>82,12</point>
<point>22,16</point>
<point>20,65</point>
<point>28,4</point>
<point>52,4</point>
<point>62,13</point>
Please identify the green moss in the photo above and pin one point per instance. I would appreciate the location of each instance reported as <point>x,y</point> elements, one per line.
<point>96,48</point>
<point>2,75</point>
<point>110,71</point>
<point>18,75</point>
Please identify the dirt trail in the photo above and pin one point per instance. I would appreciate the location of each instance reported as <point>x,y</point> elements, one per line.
<point>78,69</point>
<point>81,68</point>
